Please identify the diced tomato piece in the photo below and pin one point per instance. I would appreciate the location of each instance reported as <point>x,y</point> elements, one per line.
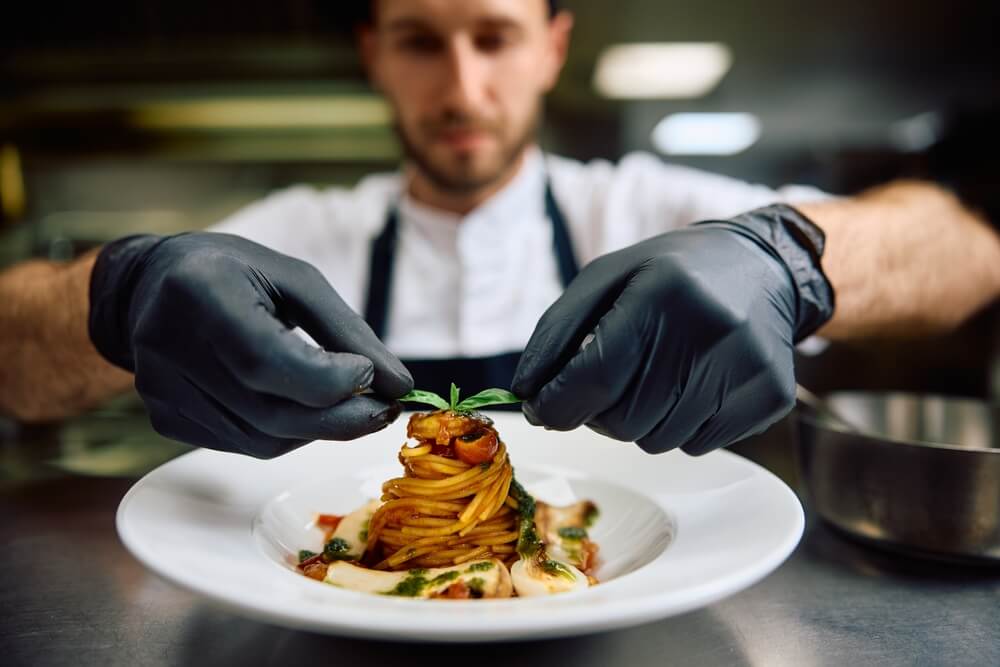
<point>312,560</point>
<point>589,557</point>
<point>329,520</point>
<point>457,591</point>
<point>315,571</point>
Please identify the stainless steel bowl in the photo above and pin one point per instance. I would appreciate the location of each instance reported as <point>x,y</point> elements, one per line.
<point>920,473</point>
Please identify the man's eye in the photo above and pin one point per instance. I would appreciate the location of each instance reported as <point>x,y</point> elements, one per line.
<point>491,42</point>
<point>420,44</point>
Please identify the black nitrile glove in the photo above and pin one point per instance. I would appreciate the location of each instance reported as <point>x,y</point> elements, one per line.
<point>693,335</point>
<point>205,321</point>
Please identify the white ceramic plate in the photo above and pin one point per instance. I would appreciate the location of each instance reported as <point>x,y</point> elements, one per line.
<point>675,533</point>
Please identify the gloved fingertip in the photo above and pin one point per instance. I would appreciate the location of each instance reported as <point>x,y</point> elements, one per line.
<point>393,382</point>
<point>405,379</point>
<point>526,382</point>
<point>656,445</point>
<point>385,417</point>
<point>529,413</point>
<point>521,387</point>
<point>698,447</point>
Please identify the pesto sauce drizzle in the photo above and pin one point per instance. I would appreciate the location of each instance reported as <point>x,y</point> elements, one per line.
<point>476,585</point>
<point>410,587</point>
<point>528,542</point>
<point>483,566</point>
<point>529,545</point>
<point>444,578</point>
<point>557,569</point>
<point>416,581</point>
<point>336,549</point>
<point>574,533</point>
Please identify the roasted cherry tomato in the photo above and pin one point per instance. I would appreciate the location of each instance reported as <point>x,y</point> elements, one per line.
<point>476,448</point>
<point>441,426</point>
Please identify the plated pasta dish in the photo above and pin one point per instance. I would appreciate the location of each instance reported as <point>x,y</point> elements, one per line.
<point>456,524</point>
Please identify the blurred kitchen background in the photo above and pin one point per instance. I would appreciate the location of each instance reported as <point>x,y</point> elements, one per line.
<point>122,117</point>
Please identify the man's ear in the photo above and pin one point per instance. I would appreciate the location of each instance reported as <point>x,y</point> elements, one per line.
<point>560,29</point>
<point>367,49</point>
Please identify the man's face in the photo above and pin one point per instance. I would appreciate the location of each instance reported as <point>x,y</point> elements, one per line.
<point>465,79</point>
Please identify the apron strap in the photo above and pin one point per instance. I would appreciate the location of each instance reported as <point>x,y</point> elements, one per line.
<point>568,268</point>
<point>383,252</point>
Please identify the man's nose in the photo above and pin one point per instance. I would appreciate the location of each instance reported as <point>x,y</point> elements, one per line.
<point>465,84</point>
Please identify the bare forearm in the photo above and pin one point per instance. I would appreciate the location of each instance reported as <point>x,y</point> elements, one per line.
<point>905,259</point>
<point>50,368</point>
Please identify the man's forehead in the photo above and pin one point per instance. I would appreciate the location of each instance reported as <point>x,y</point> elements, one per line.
<point>388,12</point>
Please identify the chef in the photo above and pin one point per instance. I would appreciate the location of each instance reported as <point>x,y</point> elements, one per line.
<point>650,302</point>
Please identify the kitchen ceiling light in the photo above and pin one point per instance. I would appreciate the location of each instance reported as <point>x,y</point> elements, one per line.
<point>918,133</point>
<point>706,133</point>
<point>661,70</point>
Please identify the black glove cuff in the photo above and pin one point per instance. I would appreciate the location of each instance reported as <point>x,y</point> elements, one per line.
<point>112,282</point>
<point>797,242</point>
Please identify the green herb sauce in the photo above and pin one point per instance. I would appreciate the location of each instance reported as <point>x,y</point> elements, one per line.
<point>444,578</point>
<point>528,542</point>
<point>416,581</point>
<point>484,566</point>
<point>572,533</point>
<point>557,569</point>
<point>476,586</point>
<point>336,549</point>
<point>410,587</point>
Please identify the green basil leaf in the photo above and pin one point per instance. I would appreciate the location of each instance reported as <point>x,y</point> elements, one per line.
<point>454,396</point>
<point>426,397</point>
<point>487,397</point>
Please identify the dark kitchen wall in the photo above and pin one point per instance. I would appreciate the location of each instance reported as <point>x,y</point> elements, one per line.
<point>821,76</point>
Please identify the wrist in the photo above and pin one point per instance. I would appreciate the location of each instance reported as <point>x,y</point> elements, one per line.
<point>796,243</point>
<point>112,284</point>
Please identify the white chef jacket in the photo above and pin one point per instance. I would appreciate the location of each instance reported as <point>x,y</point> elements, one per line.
<point>476,285</point>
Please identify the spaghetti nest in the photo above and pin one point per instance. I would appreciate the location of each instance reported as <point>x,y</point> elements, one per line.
<point>451,504</point>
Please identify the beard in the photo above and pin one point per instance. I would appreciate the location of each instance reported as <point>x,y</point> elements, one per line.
<point>463,174</point>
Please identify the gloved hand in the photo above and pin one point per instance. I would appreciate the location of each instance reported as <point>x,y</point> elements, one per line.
<point>205,321</point>
<point>693,335</point>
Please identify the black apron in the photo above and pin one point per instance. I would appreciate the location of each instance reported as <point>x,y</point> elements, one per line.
<point>471,374</point>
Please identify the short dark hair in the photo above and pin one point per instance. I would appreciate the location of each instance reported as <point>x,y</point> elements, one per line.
<point>364,14</point>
